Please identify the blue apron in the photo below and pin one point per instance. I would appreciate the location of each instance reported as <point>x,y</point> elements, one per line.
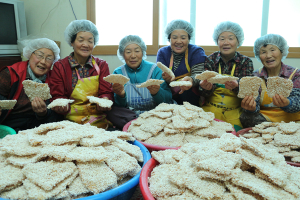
<point>140,99</point>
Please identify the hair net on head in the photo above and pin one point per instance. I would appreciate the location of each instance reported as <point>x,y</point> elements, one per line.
<point>179,24</point>
<point>229,26</point>
<point>81,25</point>
<point>39,43</point>
<point>131,39</point>
<point>273,39</point>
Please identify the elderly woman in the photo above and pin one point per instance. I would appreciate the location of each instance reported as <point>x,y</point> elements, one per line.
<point>271,50</point>
<point>222,99</point>
<point>80,75</point>
<point>132,52</point>
<point>42,53</point>
<point>184,59</point>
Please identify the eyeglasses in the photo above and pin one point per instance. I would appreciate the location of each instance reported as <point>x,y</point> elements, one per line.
<point>40,56</point>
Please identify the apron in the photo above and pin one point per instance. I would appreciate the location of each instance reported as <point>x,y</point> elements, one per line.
<point>82,111</point>
<point>187,95</point>
<point>140,99</point>
<point>225,104</point>
<point>270,111</point>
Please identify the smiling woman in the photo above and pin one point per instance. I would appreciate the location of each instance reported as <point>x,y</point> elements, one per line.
<point>184,59</point>
<point>132,52</point>
<point>221,99</point>
<point>80,75</point>
<point>271,50</point>
<point>42,53</point>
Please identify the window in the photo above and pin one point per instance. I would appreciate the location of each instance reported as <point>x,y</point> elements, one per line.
<point>282,15</point>
<point>118,18</point>
<point>123,22</point>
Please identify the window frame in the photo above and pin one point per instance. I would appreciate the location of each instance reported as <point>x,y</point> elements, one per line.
<point>294,52</point>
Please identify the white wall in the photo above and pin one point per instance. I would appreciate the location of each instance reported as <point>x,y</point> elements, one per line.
<point>59,13</point>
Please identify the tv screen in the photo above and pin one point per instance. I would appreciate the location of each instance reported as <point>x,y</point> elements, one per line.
<point>12,26</point>
<point>8,31</point>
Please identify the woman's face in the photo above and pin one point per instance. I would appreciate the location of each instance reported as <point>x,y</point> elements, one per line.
<point>41,61</point>
<point>83,44</point>
<point>227,43</point>
<point>179,41</point>
<point>133,55</point>
<point>270,56</point>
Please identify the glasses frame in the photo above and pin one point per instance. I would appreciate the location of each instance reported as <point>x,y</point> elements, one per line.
<point>41,57</point>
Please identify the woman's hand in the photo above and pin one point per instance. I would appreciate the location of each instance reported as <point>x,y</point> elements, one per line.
<point>280,101</point>
<point>118,89</point>
<point>153,89</point>
<point>249,103</point>
<point>167,77</point>
<point>61,109</point>
<point>39,106</point>
<point>206,85</point>
<point>184,88</point>
<point>230,85</point>
<point>102,109</point>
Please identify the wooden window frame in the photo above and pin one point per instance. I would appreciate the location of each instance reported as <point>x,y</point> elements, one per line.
<point>294,52</point>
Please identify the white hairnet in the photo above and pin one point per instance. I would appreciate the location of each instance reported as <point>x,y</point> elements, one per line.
<point>273,39</point>
<point>179,24</point>
<point>131,39</point>
<point>77,26</point>
<point>229,26</point>
<point>39,43</point>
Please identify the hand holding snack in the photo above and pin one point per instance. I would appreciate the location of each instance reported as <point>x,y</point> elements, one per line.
<point>167,74</point>
<point>118,89</point>
<point>39,106</point>
<point>184,88</point>
<point>249,103</point>
<point>61,109</point>
<point>101,109</point>
<point>280,101</point>
<point>167,77</point>
<point>206,85</point>
<point>153,89</point>
<point>231,84</point>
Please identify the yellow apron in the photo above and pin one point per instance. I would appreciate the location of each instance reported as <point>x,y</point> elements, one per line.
<point>225,104</point>
<point>82,111</point>
<point>272,113</point>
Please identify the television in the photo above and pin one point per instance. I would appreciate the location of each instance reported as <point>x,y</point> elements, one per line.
<point>12,26</point>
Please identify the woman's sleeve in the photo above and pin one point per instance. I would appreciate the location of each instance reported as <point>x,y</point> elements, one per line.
<point>164,95</point>
<point>208,65</point>
<point>57,82</point>
<point>5,84</point>
<point>119,101</point>
<point>247,68</point>
<point>105,89</point>
<point>197,64</point>
<point>161,57</point>
<point>294,105</point>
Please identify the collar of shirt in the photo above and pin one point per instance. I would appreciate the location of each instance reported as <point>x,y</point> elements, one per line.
<point>283,72</point>
<point>74,63</point>
<point>235,58</point>
<point>176,55</point>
